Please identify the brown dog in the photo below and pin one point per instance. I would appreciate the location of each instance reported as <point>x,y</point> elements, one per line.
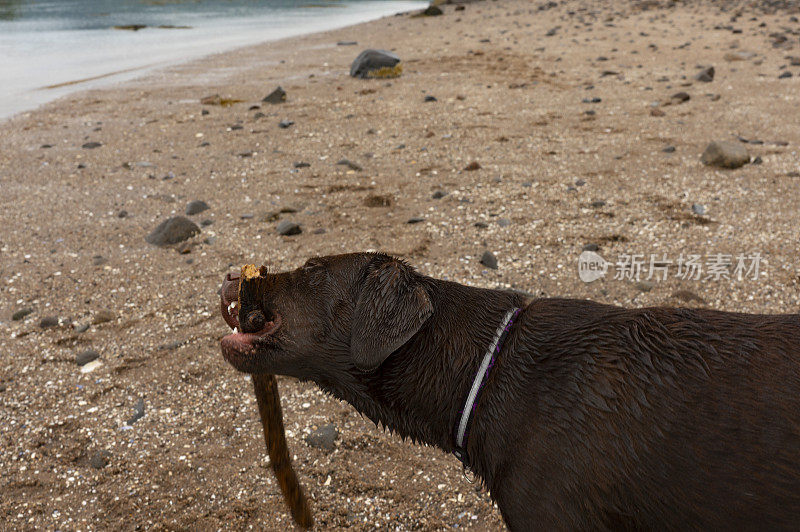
<point>586,416</point>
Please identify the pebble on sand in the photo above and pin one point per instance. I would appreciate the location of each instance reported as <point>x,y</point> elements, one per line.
<point>489,260</point>
<point>725,154</point>
<point>87,356</point>
<point>276,96</point>
<point>172,231</point>
<point>196,207</point>
<point>289,228</point>
<point>375,63</point>
<point>323,437</point>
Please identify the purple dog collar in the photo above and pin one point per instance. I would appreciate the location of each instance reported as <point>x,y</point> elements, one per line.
<point>480,381</point>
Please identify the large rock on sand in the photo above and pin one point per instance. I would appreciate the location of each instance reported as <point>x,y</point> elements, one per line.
<point>375,63</point>
<point>725,154</point>
<point>172,231</point>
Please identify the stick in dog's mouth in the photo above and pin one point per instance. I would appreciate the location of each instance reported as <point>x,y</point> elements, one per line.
<point>239,304</point>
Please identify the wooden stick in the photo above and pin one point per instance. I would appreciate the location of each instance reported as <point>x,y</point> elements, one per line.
<point>269,408</point>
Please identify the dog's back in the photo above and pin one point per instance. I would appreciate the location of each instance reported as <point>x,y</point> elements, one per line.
<point>651,418</point>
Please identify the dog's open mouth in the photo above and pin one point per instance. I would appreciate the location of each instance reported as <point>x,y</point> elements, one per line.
<point>239,345</point>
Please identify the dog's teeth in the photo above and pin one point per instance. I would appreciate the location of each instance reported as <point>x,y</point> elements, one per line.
<point>236,330</point>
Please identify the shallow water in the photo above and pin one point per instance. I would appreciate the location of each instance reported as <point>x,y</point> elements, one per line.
<point>49,48</point>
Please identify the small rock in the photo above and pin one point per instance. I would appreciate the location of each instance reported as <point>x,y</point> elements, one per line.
<point>347,43</point>
<point>758,160</point>
<point>785,75</point>
<point>196,207</point>
<point>706,75</point>
<point>104,316</point>
<point>591,247</point>
<point>81,328</point>
<point>301,164</point>
<point>680,97</point>
<point>471,167</point>
<point>48,322</point>
<point>430,98</point>
<point>323,437</point>
<point>415,220</point>
<point>172,231</point>
<point>91,145</point>
<point>247,216</point>
<point>433,11</point>
<point>276,96</point>
<point>288,228</point>
<point>21,314</point>
<point>100,459</point>
<point>138,412</point>
<point>87,356</point>
<point>489,260</point>
<point>481,225</point>
<point>350,164</point>
<point>598,204</point>
<point>375,63</point>
<point>592,100</point>
<point>206,223</point>
<point>99,260</point>
<point>657,112</point>
<point>285,124</point>
<point>319,231</point>
<point>503,222</point>
<point>725,154</point>
<point>439,194</point>
<point>698,209</point>
<point>122,214</point>
<point>669,149</point>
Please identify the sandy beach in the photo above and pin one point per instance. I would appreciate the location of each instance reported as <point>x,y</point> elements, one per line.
<point>553,129</point>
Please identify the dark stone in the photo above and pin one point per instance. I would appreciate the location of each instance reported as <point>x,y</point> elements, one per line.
<point>785,75</point>
<point>698,209</point>
<point>706,75</point>
<point>206,223</point>
<point>247,216</point>
<point>100,459</point>
<point>471,167</point>
<point>87,356</point>
<point>172,231</point>
<point>489,260</point>
<point>48,321</point>
<point>503,222</point>
<point>21,314</point>
<point>669,149</point>
<point>122,214</point>
<point>598,204</point>
<point>91,145</point>
<point>288,228</point>
<point>370,61</point>
<point>430,98</point>
<point>82,328</point>
<point>681,97</point>
<point>276,96</point>
<point>592,100</point>
<point>323,437</point>
<point>285,124</point>
<point>415,220</point>
<point>301,164</point>
<point>481,225</point>
<point>319,231</point>
<point>758,160</point>
<point>725,154</point>
<point>433,11</point>
<point>138,412</point>
<point>439,194</point>
<point>350,164</point>
<point>196,207</point>
<point>346,43</point>
<point>591,247</point>
<point>99,260</point>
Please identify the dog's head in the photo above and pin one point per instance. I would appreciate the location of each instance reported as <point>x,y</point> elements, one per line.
<point>349,311</point>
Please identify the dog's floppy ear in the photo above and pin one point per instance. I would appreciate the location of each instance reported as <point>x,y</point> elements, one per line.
<point>391,308</point>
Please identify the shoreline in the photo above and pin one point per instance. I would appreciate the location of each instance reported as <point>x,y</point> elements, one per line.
<point>532,134</point>
<point>186,51</point>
